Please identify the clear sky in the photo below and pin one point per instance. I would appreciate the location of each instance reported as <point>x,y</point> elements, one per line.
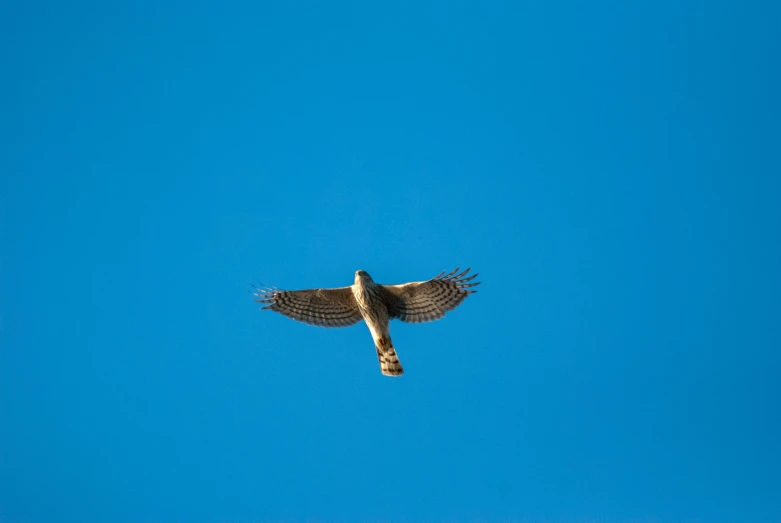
<point>611,169</point>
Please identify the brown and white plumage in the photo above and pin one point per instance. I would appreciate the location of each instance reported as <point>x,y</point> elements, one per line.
<point>321,307</point>
<point>376,304</point>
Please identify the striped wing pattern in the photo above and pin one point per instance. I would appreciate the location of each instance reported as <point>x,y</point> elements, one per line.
<point>321,307</point>
<point>423,301</point>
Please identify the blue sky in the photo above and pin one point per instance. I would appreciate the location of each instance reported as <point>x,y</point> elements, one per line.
<point>611,169</point>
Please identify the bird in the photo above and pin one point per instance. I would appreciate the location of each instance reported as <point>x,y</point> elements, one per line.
<point>376,304</point>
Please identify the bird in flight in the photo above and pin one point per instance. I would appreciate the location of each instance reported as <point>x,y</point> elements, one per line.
<point>374,303</point>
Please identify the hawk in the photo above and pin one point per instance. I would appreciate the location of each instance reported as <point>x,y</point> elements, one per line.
<point>376,304</point>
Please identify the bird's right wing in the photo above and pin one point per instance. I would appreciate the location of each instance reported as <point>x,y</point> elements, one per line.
<point>321,307</point>
<point>428,300</point>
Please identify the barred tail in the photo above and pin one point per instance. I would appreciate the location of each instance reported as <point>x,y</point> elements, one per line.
<point>389,361</point>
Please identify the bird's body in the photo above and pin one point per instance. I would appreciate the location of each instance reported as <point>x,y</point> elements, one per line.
<point>374,303</point>
<point>368,296</point>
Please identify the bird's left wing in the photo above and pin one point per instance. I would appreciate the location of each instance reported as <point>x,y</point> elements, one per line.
<point>321,307</point>
<point>428,300</point>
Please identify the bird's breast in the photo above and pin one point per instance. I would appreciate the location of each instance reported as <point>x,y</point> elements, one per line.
<point>371,306</point>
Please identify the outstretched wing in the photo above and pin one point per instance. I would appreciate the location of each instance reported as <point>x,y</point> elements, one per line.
<point>321,307</point>
<point>428,300</point>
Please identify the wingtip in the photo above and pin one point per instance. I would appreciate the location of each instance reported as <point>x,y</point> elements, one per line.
<point>451,273</point>
<point>461,274</point>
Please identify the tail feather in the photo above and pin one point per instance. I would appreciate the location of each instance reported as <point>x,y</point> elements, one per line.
<point>389,361</point>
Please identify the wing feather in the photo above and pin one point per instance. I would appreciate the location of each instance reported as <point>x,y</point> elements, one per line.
<point>322,307</point>
<point>429,300</point>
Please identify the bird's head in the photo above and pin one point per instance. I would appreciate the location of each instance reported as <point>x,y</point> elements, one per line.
<point>362,276</point>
